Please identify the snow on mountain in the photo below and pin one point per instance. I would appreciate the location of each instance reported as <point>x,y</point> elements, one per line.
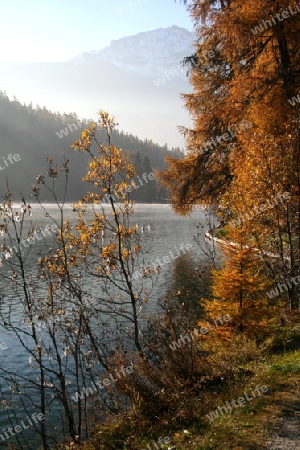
<point>136,78</point>
<point>149,53</point>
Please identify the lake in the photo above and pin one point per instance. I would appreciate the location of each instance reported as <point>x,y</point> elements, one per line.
<point>171,243</point>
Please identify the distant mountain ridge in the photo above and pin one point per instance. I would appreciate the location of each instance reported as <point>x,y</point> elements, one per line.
<point>148,53</point>
<point>121,79</point>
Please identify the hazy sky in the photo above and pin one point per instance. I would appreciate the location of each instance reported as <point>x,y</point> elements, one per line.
<point>57,30</point>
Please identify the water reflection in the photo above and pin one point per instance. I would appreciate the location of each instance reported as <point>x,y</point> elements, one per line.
<point>176,279</point>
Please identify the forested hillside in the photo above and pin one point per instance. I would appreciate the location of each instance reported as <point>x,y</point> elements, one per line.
<point>35,133</point>
<point>128,345</point>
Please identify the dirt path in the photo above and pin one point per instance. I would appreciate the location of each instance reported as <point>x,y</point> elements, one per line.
<point>286,432</point>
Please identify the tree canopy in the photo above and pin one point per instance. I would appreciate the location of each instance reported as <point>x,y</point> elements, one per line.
<point>242,153</point>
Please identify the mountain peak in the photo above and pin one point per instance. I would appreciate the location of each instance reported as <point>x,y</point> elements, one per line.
<point>148,52</point>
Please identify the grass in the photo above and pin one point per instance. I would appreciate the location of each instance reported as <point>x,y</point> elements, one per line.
<point>247,427</point>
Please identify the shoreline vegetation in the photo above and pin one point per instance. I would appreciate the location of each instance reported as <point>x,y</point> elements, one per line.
<point>210,425</point>
<point>123,359</point>
<point>189,422</point>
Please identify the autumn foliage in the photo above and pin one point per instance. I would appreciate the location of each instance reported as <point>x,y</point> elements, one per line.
<point>251,176</point>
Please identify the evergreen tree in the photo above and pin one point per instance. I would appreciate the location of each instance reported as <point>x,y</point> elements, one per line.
<point>149,188</point>
<point>137,195</point>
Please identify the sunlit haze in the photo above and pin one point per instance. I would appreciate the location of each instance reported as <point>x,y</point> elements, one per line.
<point>35,30</point>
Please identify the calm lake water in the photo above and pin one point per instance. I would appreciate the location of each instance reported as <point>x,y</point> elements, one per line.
<point>171,235</point>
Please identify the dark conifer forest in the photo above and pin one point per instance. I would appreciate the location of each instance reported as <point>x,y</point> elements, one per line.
<point>35,133</point>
